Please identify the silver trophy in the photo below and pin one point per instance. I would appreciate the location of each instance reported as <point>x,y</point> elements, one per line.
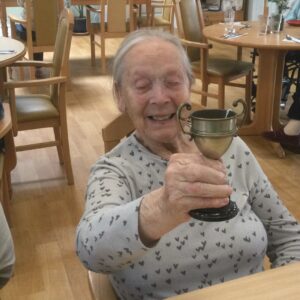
<point>212,131</point>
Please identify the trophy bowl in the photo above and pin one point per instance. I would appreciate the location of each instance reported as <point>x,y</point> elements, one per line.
<point>212,131</point>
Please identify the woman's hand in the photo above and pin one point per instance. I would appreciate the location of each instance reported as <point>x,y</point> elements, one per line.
<point>191,181</point>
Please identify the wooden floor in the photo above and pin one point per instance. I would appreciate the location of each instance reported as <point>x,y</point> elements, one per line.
<point>45,210</point>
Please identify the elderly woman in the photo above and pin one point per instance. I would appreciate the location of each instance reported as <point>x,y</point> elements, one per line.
<point>136,225</point>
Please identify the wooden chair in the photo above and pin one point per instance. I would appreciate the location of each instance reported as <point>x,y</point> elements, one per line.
<point>100,287</point>
<point>34,111</point>
<point>162,15</point>
<point>190,22</point>
<point>114,23</point>
<point>118,128</point>
<point>41,26</point>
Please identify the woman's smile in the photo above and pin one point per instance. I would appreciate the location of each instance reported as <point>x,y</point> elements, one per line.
<point>161,117</point>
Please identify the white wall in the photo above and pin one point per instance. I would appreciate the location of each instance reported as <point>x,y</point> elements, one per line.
<point>255,8</point>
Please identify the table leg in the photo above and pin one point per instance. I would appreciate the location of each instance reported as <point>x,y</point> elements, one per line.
<point>276,124</point>
<point>270,72</point>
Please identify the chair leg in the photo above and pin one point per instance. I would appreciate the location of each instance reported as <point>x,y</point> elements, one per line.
<point>66,153</point>
<point>221,94</point>
<point>204,94</point>
<point>59,149</point>
<point>90,29</point>
<point>103,58</point>
<point>92,43</point>
<point>248,90</point>
<point>6,198</point>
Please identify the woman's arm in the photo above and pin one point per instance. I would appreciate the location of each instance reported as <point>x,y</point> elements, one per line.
<point>116,229</point>
<point>191,181</point>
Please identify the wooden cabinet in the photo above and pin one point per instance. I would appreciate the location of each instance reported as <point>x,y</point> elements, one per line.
<point>212,17</point>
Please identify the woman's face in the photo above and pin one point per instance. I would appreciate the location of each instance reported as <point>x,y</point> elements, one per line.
<point>153,85</point>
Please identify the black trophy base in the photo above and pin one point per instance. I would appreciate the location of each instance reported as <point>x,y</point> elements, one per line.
<point>224,213</point>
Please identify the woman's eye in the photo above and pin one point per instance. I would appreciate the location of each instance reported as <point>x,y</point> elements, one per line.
<point>143,85</point>
<point>173,83</point>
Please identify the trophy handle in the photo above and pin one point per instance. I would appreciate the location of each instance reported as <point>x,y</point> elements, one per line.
<point>180,119</point>
<point>241,117</point>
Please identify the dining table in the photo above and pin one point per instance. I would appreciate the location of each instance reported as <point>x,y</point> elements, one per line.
<point>271,49</point>
<point>11,50</point>
<point>272,284</point>
<point>147,3</point>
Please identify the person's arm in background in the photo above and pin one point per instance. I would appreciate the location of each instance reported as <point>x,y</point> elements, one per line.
<point>294,12</point>
<point>7,254</point>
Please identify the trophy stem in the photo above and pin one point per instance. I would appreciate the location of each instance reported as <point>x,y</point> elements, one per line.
<point>224,213</point>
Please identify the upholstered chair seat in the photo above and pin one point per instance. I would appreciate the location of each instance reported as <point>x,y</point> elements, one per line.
<point>224,67</point>
<point>35,108</point>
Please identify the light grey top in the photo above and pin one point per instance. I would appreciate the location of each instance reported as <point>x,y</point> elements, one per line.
<point>7,254</point>
<point>195,254</point>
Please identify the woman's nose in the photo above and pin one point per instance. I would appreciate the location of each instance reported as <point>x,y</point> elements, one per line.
<point>159,93</point>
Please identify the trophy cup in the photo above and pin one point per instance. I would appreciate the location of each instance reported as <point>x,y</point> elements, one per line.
<point>212,131</point>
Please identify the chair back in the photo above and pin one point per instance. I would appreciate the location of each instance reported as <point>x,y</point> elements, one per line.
<point>167,12</point>
<point>41,17</point>
<point>190,22</point>
<point>100,287</point>
<point>62,48</point>
<point>115,21</point>
<point>120,127</point>
<point>45,32</point>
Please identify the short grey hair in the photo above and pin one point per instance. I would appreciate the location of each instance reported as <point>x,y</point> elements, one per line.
<point>140,36</point>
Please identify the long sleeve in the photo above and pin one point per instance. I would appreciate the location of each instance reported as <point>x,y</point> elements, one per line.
<point>112,204</point>
<point>283,230</point>
<point>195,254</point>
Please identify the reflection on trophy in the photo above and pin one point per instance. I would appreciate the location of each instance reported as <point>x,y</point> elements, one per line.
<point>213,131</point>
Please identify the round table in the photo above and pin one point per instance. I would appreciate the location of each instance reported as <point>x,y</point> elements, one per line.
<point>7,59</point>
<point>272,49</point>
<point>10,44</point>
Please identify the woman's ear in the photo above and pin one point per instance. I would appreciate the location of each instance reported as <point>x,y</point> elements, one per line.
<point>119,98</point>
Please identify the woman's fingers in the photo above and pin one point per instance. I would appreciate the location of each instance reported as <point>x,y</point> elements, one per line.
<point>192,181</point>
<point>196,158</point>
<point>195,169</point>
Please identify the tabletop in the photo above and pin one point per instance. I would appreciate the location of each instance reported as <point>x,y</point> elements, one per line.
<point>272,49</point>
<point>17,47</point>
<point>275,284</point>
<point>252,38</point>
